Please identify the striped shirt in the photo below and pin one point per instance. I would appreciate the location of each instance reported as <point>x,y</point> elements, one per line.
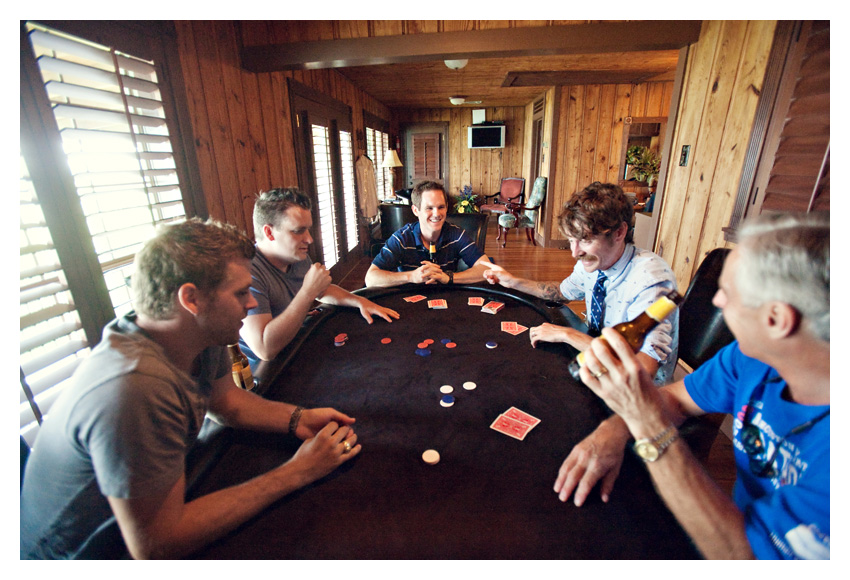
<point>404,251</point>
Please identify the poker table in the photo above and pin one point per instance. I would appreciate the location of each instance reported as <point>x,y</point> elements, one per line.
<point>490,496</point>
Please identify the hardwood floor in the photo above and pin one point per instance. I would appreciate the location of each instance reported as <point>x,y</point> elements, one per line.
<point>523,259</point>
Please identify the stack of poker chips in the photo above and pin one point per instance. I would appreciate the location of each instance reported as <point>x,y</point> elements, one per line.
<point>340,339</point>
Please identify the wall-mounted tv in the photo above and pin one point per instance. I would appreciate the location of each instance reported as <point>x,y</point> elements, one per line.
<point>486,136</point>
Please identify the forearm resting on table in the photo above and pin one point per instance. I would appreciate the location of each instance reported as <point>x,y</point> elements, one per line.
<point>378,277</point>
<point>235,407</point>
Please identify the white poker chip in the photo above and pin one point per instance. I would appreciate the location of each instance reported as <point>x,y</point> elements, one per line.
<point>446,389</point>
<point>469,385</point>
<point>431,457</point>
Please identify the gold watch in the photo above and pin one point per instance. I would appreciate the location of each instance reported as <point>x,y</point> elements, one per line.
<point>651,449</point>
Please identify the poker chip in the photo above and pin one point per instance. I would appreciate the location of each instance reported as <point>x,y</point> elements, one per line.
<point>423,345</point>
<point>386,340</point>
<point>450,345</point>
<point>446,389</point>
<point>423,351</point>
<point>446,340</point>
<point>339,343</point>
<point>341,337</point>
<point>447,401</point>
<point>469,385</point>
<point>491,344</point>
<point>431,457</point>
<point>428,341</point>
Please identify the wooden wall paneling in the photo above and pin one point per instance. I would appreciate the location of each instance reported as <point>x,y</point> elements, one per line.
<point>694,96</point>
<point>421,26</point>
<point>237,130</point>
<point>604,137</point>
<point>457,25</point>
<point>283,124</point>
<point>748,82</point>
<point>351,29</point>
<point>256,145</point>
<point>622,98</point>
<point>589,134</point>
<point>655,106</point>
<point>459,177</point>
<point>201,132</point>
<point>270,114</point>
<point>386,28</point>
<point>569,159</point>
<point>226,205</point>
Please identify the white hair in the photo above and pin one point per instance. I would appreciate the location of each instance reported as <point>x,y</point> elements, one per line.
<point>785,257</point>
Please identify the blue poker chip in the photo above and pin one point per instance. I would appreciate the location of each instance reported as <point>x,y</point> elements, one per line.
<point>423,351</point>
<point>491,344</point>
<point>447,401</point>
<point>446,340</point>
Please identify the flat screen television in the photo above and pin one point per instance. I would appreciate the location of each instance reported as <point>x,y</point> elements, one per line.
<point>486,136</point>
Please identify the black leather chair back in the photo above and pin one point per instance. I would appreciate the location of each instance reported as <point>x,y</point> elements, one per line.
<point>393,216</point>
<point>475,225</point>
<point>702,331</point>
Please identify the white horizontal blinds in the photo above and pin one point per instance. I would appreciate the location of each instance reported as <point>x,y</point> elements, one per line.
<point>377,143</point>
<point>349,195</point>
<point>111,119</point>
<point>52,342</point>
<point>325,193</point>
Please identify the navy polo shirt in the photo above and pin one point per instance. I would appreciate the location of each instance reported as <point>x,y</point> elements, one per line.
<point>404,250</point>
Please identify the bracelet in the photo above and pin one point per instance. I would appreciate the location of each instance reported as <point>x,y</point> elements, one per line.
<point>294,418</point>
<point>451,277</point>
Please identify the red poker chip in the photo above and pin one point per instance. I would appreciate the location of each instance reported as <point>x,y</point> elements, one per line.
<point>422,345</point>
<point>386,340</point>
<point>341,337</point>
<point>450,345</point>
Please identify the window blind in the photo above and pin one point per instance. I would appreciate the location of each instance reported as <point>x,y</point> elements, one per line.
<point>324,193</point>
<point>111,121</point>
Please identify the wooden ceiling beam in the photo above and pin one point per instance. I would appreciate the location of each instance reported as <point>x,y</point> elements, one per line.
<point>591,38</point>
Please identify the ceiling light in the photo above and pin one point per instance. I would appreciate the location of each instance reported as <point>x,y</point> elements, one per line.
<point>456,64</point>
<point>457,100</point>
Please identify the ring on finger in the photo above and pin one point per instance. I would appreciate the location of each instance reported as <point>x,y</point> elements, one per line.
<point>347,446</point>
<point>600,372</point>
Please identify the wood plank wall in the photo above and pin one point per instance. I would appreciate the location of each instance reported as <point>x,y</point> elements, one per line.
<point>589,135</point>
<point>724,76</point>
<point>241,121</point>
<point>483,169</point>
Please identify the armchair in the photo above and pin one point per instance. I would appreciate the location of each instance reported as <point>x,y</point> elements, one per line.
<point>512,190</point>
<point>523,215</point>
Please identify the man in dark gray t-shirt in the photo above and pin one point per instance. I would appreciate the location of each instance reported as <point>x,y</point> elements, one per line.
<point>113,446</point>
<point>285,281</point>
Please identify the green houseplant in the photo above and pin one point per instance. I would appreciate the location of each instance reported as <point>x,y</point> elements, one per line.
<point>645,163</point>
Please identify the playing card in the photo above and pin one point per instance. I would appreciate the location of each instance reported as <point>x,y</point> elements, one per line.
<point>508,326</point>
<point>510,427</point>
<point>416,298</point>
<point>518,330</point>
<point>475,301</point>
<point>437,304</point>
<point>492,307</point>
<point>521,416</point>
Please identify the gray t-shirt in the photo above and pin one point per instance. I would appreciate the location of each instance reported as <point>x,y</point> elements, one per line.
<point>121,428</point>
<point>273,289</point>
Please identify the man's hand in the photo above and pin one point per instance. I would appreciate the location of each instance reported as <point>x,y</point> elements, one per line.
<point>428,273</point>
<point>498,275</point>
<point>368,309</point>
<point>327,450</point>
<point>598,457</point>
<point>314,420</point>
<point>316,281</point>
<point>612,371</point>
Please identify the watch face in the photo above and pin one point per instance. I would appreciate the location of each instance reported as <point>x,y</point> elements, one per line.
<point>646,450</point>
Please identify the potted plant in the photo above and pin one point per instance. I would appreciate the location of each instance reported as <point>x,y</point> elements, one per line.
<point>643,163</point>
<point>467,202</point>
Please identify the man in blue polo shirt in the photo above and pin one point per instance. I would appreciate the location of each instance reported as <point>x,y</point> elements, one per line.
<point>428,251</point>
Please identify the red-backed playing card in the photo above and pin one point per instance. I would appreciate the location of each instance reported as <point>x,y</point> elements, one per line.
<point>522,417</point>
<point>509,326</point>
<point>510,427</point>
<point>416,298</point>
<point>437,304</point>
<point>475,301</point>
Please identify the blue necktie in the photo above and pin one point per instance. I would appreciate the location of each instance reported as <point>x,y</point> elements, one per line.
<point>597,306</point>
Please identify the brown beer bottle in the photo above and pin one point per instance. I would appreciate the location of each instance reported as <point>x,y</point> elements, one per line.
<point>635,331</point>
<point>242,375</point>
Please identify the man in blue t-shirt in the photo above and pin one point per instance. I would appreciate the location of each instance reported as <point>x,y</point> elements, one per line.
<point>428,251</point>
<point>773,380</point>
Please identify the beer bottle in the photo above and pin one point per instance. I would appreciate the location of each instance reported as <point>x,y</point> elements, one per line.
<point>432,252</point>
<point>635,331</point>
<point>241,369</point>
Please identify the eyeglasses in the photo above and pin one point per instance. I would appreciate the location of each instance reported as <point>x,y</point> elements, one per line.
<point>754,445</point>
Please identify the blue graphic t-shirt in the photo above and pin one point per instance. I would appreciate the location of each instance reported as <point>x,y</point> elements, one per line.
<point>787,515</point>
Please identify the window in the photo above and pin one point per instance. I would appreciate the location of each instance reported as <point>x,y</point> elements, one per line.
<point>325,158</point>
<point>377,143</point>
<point>100,174</point>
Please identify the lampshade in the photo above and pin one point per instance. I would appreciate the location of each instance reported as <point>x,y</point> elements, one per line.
<point>457,100</point>
<point>456,64</point>
<point>391,159</point>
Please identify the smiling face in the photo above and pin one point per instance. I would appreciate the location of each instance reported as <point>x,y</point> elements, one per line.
<point>289,241</point>
<point>222,310</point>
<point>599,252</point>
<point>431,213</point>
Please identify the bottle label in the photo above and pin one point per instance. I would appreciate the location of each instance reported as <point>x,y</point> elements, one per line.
<point>659,310</point>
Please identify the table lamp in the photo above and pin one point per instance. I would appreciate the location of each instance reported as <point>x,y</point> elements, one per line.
<point>391,161</point>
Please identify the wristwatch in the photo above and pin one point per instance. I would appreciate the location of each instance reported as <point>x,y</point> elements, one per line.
<point>651,449</point>
<point>451,277</point>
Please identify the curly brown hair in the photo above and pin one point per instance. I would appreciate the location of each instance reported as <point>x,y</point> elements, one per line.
<point>598,209</point>
<point>191,252</point>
